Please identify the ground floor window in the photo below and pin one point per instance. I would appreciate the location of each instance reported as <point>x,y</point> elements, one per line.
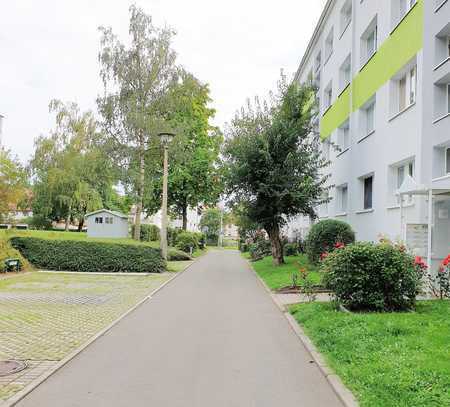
<point>368,192</point>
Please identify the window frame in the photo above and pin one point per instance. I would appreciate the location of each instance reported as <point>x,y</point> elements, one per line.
<point>364,180</point>
<point>342,209</point>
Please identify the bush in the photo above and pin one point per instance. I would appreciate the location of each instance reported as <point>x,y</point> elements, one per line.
<point>87,256</point>
<point>324,235</point>
<point>187,241</point>
<point>260,249</point>
<point>372,277</point>
<point>172,235</point>
<point>201,239</point>
<point>290,249</point>
<point>149,233</point>
<point>243,246</point>
<point>178,255</point>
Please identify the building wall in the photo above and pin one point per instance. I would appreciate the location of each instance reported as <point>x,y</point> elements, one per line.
<point>398,137</point>
<point>118,229</point>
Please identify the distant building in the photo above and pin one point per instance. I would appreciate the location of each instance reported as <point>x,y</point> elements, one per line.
<point>107,224</point>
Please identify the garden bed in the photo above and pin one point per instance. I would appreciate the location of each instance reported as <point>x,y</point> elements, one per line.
<point>386,359</point>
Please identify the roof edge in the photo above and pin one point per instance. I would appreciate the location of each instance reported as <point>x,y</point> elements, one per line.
<point>311,43</point>
<point>120,215</point>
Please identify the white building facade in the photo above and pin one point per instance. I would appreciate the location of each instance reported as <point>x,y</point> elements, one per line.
<point>382,72</point>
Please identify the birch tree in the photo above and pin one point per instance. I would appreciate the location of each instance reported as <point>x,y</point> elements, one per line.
<point>137,77</point>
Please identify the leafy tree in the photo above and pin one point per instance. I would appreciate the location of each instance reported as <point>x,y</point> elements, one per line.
<point>194,177</point>
<point>72,175</point>
<point>273,161</point>
<point>210,223</point>
<point>247,228</point>
<point>137,78</point>
<point>13,184</point>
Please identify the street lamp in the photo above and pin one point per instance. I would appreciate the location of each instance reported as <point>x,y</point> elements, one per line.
<point>165,138</point>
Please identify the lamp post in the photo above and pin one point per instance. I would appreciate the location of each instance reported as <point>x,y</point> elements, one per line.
<point>165,138</point>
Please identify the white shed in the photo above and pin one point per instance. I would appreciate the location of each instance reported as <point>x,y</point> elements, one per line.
<point>107,224</point>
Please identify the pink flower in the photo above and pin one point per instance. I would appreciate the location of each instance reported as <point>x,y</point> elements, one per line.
<point>339,245</point>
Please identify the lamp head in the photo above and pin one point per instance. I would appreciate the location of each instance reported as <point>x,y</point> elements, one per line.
<point>166,138</point>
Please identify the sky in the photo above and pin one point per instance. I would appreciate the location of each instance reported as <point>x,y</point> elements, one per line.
<point>49,50</point>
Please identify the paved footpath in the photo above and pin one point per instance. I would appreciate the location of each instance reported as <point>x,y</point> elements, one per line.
<point>211,338</point>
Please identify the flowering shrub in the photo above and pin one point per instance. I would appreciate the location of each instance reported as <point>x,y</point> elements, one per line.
<point>440,283</point>
<point>373,277</point>
<point>302,281</point>
<point>326,236</point>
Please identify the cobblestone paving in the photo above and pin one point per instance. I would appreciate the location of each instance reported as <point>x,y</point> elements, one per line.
<point>45,316</point>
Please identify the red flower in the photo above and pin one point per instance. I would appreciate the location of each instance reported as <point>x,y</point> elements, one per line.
<point>418,261</point>
<point>323,256</point>
<point>339,245</point>
<point>446,261</point>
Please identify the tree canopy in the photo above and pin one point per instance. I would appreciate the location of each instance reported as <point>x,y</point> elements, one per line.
<point>71,173</point>
<point>13,184</point>
<point>274,165</point>
<point>137,79</point>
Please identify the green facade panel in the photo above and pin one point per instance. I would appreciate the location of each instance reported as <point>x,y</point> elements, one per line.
<point>336,115</point>
<point>399,48</point>
<point>402,45</point>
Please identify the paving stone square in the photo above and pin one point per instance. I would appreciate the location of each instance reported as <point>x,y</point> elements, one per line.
<point>46,316</point>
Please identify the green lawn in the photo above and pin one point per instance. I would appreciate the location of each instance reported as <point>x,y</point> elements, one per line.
<point>281,276</point>
<point>177,266</point>
<point>395,359</point>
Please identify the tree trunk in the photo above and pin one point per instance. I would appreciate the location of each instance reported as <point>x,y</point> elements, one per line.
<point>81,224</point>
<point>184,215</point>
<point>277,247</point>
<point>140,191</point>
<point>69,212</point>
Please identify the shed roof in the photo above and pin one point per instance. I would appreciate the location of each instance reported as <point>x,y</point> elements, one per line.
<point>116,214</point>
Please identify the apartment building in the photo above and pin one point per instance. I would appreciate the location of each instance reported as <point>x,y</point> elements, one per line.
<point>382,72</point>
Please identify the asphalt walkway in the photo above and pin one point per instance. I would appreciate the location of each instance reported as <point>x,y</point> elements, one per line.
<point>211,338</point>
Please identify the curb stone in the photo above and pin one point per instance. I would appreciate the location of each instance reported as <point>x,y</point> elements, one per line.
<point>41,379</point>
<point>344,394</point>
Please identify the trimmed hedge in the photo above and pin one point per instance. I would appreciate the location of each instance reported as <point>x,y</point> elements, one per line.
<point>178,255</point>
<point>324,235</point>
<point>87,256</point>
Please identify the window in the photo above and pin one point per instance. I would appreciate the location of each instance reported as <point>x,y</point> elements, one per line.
<point>109,220</point>
<point>344,136</point>
<point>345,73</point>
<point>346,15</point>
<point>447,161</point>
<point>368,192</point>
<point>406,89</point>
<point>400,174</point>
<point>442,46</point>
<point>329,45</point>
<point>448,98</point>
<point>342,199</point>
<point>441,100</point>
<point>368,119</point>
<point>99,220</point>
<point>323,209</point>
<point>318,61</point>
<point>369,42</point>
<point>328,94</point>
<point>405,6</point>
